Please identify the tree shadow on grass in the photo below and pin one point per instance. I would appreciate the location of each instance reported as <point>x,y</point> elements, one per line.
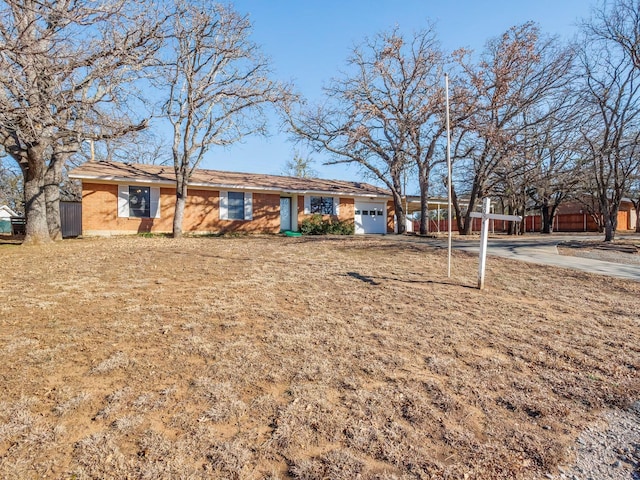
<point>378,281</point>
<point>363,278</point>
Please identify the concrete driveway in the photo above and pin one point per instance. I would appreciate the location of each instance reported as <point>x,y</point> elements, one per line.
<point>543,250</point>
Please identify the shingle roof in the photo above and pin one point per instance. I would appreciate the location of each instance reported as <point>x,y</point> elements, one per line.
<point>155,174</point>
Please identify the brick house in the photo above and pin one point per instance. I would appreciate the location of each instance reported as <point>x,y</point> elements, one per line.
<point>123,198</point>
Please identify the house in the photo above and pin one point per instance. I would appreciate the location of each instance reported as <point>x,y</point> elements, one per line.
<point>123,198</point>
<point>6,214</point>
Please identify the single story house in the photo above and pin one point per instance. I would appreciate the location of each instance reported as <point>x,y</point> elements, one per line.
<point>123,198</point>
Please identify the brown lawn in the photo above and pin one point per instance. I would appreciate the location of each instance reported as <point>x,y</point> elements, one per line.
<point>305,358</point>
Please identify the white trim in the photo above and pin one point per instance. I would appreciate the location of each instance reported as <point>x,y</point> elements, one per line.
<point>123,201</point>
<point>248,206</point>
<point>10,212</point>
<point>335,200</point>
<point>224,205</point>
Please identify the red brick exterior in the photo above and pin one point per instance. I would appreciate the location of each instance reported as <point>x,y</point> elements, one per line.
<point>202,214</point>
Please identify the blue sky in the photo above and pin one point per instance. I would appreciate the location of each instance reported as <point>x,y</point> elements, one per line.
<point>309,41</point>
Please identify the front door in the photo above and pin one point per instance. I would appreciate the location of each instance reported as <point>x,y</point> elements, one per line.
<point>285,213</point>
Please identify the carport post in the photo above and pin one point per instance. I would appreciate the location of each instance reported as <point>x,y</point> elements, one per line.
<point>446,90</point>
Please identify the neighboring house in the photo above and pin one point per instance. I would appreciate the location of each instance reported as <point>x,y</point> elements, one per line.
<point>123,198</point>
<point>6,214</point>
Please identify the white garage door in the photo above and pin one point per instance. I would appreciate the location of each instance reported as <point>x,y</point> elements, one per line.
<point>370,218</point>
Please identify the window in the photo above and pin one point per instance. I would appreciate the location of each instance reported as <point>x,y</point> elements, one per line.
<point>322,205</point>
<point>140,202</point>
<point>236,206</point>
<point>136,201</point>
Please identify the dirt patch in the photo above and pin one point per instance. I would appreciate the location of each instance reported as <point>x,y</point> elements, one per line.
<point>301,358</point>
<point>621,251</point>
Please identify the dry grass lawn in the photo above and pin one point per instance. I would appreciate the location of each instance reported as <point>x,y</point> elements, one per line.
<point>310,358</point>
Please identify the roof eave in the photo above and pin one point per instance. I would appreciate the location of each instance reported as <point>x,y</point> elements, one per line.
<point>222,186</point>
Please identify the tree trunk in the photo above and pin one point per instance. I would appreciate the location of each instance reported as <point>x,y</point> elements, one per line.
<point>468,221</point>
<point>610,225</point>
<point>401,216</point>
<point>547,218</point>
<point>181,198</point>
<point>456,208</point>
<point>53,179</point>
<point>35,205</point>
<point>178,216</point>
<point>424,208</point>
<point>638,219</point>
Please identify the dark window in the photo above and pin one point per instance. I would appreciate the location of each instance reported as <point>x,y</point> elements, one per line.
<point>365,212</point>
<point>322,205</point>
<point>380,213</point>
<point>236,206</point>
<point>140,202</point>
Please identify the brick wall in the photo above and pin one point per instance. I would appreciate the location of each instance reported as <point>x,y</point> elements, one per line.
<point>100,213</point>
<point>391,211</point>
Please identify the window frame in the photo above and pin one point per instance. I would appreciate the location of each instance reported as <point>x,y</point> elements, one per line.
<point>321,208</point>
<point>124,209</point>
<point>247,205</point>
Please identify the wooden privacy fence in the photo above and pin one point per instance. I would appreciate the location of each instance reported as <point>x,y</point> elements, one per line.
<point>568,222</point>
<point>71,219</point>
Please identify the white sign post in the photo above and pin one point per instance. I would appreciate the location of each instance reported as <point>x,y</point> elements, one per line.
<point>484,234</point>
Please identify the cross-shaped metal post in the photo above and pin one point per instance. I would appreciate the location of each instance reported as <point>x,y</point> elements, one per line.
<point>484,234</point>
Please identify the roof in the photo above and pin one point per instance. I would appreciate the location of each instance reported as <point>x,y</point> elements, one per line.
<point>5,208</point>
<point>164,175</point>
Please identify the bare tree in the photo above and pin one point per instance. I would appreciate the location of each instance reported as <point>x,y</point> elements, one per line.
<point>385,114</point>
<point>299,166</point>
<point>509,90</point>
<point>611,129</point>
<point>617,22</point>
<point>65,70</point>
<point>218,84</point>
<point>143,146</point>
<point>558,167</point>
<point>611,102</point>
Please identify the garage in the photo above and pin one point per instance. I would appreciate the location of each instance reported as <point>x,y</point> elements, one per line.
<point>370,217</point>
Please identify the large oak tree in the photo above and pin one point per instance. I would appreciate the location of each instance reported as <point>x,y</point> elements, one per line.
<point>218,83</point>
<point>510,89</point>
<point>610,91</point>
<point>385,113</point>
<point>66,74</point>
